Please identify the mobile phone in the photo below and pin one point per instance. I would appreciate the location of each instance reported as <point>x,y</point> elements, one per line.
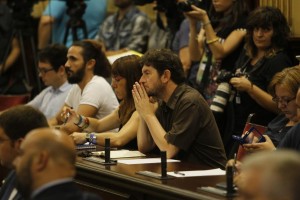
<point>245,139</point>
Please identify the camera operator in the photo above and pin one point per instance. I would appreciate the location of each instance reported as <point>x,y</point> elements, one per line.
<point>6,31</point>
<point>10,49</point>
<point>53,23</point>
<point>219,42</point>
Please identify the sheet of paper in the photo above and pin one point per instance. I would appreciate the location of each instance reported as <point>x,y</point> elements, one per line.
<point>144,161</point>
<point>211,172</point>
<point>120,154</point>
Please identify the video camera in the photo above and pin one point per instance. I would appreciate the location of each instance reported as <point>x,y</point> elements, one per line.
<point>186,6</point>
<point>21,12</point>
<point>76,8</point>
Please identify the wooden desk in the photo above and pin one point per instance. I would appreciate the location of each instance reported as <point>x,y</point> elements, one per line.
<point>121,182</point>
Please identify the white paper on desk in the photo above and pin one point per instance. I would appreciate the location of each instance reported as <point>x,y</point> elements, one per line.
<point>144,161</point>
<point>120,154</point>
<point>211,172</point>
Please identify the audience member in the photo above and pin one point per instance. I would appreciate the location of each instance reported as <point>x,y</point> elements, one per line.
<point>270,176</point>
<point>283,88</point>
<point>125,72</point>
<point>45,167</point>
<point>218,43</point>
<point>15,123</point>
<point>127,29</point>
<point>91,95</point>
<point>265,54</point>
<point>51,69</point>
<point>58,16</point>
<point>182,124</point>
<point>291,140</point>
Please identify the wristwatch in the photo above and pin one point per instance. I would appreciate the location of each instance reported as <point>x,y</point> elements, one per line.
<point>91,138</point>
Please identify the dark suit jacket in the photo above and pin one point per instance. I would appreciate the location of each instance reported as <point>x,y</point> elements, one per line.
<point>8,186</point>
<point>65,191</point>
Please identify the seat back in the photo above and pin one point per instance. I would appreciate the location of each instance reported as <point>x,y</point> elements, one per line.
<point>7,101</point>
<point>241,151</point>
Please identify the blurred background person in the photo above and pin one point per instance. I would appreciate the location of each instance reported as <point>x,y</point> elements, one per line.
<point>10,50</point>
<point>270,176</point>
<point>126,29</point>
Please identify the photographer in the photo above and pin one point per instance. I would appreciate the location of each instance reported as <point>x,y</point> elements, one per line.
<point>55,18</point>
<point>218,43</point>
<point>265,54</point>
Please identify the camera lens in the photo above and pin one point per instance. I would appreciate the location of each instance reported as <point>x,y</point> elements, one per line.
<point>221,97</point>
<point>184,6</point>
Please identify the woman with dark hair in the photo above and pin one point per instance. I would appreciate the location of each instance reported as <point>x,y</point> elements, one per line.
<point>264,55</point>
<point>219,41</point>
<point>125,72</point>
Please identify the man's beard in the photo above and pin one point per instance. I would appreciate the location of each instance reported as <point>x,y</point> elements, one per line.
<point>75,77</point>
<point>155,92</point>
<point>24,180</point>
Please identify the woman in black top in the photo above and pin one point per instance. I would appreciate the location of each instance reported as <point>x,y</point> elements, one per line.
<point>264,55</point>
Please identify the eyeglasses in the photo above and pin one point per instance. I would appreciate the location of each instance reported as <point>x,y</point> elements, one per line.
<point>44,71</point>
<point>284,100</point>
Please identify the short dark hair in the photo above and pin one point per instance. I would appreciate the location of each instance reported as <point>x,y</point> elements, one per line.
<point>164,59</point>
<point>93,49</point>
<point>19,120</point>
<point>55,54</point>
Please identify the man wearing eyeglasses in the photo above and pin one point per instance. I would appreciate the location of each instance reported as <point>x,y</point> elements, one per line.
<point>15,123</point>
<point>52,72</point>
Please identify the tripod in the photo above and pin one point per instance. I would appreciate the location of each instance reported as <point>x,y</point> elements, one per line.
<point>75,24</point>
<point>19,35</point>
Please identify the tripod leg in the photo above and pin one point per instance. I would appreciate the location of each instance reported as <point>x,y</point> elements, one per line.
<point>66,33</point>
<point>74,33</point>
<point>21,41</point>
<point>33,50</point>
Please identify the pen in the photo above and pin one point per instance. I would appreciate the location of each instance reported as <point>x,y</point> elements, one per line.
<point>179,173</point>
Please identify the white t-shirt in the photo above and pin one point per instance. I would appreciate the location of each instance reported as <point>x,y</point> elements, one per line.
<point>97,93</point>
